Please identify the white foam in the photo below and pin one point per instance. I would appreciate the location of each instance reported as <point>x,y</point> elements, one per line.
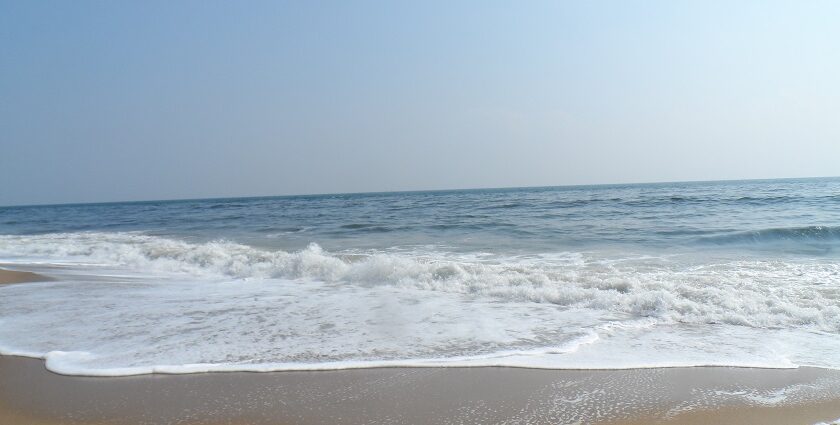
<point>167,306</point>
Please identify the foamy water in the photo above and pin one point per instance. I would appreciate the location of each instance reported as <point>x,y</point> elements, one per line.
<point>599,277</point>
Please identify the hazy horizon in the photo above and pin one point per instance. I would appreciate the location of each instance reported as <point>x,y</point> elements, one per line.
<point>107,102</point>
<point>451,189</point>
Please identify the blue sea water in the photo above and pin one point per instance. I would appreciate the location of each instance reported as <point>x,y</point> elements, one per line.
<point>739,273</point>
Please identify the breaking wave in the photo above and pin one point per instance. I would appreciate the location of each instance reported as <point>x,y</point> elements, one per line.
<point>752,293</point>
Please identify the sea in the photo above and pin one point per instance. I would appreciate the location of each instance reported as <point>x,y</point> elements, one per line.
<point>727,273</point>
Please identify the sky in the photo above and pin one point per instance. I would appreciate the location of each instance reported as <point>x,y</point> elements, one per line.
<point>117,100</point>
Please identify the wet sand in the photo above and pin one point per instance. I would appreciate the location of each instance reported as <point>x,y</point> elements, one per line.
<point>13,276</point>
<point>30,394</point>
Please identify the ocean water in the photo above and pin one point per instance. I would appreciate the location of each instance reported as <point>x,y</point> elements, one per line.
<point>741,273</point>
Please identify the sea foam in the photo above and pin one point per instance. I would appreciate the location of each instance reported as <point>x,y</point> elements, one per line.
<point>137,303</point>
<point>757,293</point>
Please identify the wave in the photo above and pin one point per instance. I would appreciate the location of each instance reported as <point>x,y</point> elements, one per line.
<point>762,294</point>
<point>778,235</point>
<point>134,304</point>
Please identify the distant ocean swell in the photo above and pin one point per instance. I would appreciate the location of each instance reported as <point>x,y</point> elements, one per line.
<point>770,236</point>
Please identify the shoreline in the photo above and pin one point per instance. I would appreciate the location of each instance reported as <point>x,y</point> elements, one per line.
<point>8,277</point>
<point>30,394</point>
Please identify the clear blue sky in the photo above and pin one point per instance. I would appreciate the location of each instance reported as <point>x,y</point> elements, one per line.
<point>117,100</point>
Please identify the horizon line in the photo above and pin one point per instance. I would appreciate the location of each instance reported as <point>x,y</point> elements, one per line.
<point>139,201</point>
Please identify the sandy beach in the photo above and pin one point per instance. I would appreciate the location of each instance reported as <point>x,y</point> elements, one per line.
<point>30,394</point>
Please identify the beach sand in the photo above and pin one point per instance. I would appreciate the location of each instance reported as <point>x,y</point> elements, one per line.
<point>30,394</point>
<point>13,276</point>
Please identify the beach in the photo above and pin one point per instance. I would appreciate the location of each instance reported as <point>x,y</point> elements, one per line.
<point>594,305</point>
<point>411,213</point>
<point>29,394</point>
